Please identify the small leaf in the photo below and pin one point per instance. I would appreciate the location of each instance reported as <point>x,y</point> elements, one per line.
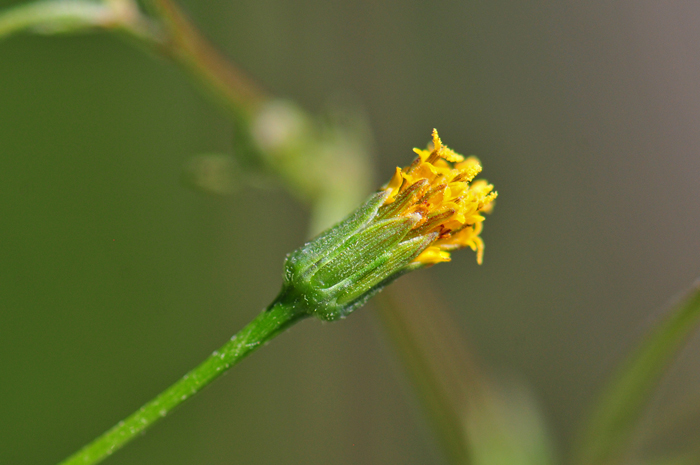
<point>615,416</point>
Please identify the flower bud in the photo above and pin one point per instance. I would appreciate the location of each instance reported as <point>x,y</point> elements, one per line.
<point>427,209</point>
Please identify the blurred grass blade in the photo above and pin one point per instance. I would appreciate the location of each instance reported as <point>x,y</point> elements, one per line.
<point>671,427</point>
<point>505,426</point>
<point>49,17</point>
<point>614,418</point>
<point>477,421</point>
<point>437,369</point>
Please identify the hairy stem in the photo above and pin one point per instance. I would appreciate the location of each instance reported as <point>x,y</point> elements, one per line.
<point>278,316</point>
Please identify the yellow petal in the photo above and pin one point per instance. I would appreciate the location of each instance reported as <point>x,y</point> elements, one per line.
<point>394,185</point>
<point>432,255</point>
<point>423,154</point>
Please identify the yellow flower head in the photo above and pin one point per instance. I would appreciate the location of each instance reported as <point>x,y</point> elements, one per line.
<point>438,186</point>
<point>428,209</point>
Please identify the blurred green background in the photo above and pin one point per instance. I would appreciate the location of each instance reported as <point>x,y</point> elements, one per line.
<point>115,278</point>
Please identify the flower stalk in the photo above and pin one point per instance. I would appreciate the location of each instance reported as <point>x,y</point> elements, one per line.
<point>276,318</point>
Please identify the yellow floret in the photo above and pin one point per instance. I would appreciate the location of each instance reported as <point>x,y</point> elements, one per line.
<point>438,185</point>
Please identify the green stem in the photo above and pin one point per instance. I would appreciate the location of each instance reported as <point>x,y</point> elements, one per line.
<point>280,315</point>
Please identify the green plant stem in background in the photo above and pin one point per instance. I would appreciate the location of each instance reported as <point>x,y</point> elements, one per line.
<point>276,318</point>
<point>441,377</point>
<point>72,16</point>
<point>185,45</point>
<point>167,32</point>
<point>478,420</point>
<point>615,417</point>
<point>51,17</point>
<point>273,138</point>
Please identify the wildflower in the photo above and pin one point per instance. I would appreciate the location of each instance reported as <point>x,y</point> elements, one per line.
<point>428,209</point>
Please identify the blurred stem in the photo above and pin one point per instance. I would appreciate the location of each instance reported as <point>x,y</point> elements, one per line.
<point>167,31</point>
<point>184,44</point>
<point>322,162</point>
<point>434,358</point>
<point>278,316</point>
<point>477,420</point>
<point>615,416</point>
<point>323,165</point>
<point>52,16</point>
